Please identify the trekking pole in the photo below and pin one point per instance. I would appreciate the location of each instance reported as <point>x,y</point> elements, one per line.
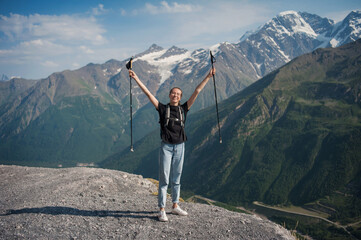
<point>129,67</point>
<point>213,60</point>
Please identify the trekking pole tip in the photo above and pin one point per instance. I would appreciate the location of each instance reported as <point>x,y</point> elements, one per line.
<point>131,149</point>
<point>220,140</point>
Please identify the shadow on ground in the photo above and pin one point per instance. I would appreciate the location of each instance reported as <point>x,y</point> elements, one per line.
<point>54,210</point>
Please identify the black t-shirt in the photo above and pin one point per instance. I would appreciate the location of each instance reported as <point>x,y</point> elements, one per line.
<point>173,133</point>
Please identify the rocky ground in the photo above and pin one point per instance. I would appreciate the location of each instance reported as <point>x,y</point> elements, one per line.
<point>91,203</point>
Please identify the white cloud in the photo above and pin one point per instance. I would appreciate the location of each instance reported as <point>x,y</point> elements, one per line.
<point>99,10</point>
<point>71,41</point>
<point>123,12</point>
<point>75,65</point>
<point>216,17</point>
<point>86,50</point>
<point>49,64</point>
<point>164,8</point>
<point>33,49</point>
<point>60,28</point>
<point>5,52</point>
<point>192,24</point>
<point>42,47</point>
<point>40,44</point>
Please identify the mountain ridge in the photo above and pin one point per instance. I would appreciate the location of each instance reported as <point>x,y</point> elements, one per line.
<point>284,38</point>
<point>105,88</point>
<point>257,120</point>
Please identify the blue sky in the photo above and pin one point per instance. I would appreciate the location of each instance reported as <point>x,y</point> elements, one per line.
<point>40,37</point>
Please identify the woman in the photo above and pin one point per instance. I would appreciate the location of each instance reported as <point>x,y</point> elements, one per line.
<point>172,119</point>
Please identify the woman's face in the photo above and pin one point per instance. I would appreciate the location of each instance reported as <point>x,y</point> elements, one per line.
<point>175,96</point>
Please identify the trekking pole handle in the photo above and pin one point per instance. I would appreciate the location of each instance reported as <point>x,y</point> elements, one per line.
<point>213,59</point>
<point>129,64</point>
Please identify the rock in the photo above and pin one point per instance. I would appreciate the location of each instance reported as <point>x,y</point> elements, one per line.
<point>91,203</point>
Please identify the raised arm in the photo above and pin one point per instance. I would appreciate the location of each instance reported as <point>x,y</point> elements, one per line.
<point>200,87</point>
<point>151,97</point>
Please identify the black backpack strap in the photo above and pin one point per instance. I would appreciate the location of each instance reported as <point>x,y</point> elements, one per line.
<point>181,116</point>
<point>167,115</point>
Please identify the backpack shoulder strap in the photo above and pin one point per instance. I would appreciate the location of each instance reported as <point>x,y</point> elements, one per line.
<point>167,115</point>
<point>181,115</point>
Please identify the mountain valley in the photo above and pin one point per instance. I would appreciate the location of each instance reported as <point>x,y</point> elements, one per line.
<point>82,116</point>
<point>290,110</point>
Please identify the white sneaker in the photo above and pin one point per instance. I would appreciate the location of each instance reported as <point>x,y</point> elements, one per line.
<point>162,216</point>
<point>179,211</point>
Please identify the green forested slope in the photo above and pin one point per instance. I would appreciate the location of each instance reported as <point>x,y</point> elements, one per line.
<point>292,136</point>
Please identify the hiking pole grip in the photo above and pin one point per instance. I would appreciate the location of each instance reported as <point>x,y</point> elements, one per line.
<point>213,60</point>
<point>129,67</point>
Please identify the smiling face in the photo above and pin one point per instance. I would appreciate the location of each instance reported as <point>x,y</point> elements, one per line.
<point>175,95</point>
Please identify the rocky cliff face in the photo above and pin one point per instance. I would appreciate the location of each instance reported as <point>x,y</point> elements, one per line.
<point>90,203</point>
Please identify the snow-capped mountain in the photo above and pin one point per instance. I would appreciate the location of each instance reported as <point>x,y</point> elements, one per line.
<point>100,92</point>
<point>291,34</point>
<point>286,36</point>
<point>186,69</point>
<point>348,30</point>
<point>163,60</point>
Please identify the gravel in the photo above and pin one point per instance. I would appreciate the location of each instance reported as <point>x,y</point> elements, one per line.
<point>92,203</point>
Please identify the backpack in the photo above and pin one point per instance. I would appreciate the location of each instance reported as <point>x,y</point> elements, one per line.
<point>167,116</point>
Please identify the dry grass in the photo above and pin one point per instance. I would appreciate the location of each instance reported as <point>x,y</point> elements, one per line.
<point>156,182</point>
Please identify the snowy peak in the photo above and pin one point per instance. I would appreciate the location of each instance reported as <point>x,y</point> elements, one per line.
<point>152,49</point>
<point>286,36</point>
<point>291,34</point>
<point>173,51</point>
<point>164,60</point>
<point>348,30</point>
<point>291,22</point>
<point>324,30</point>
<point>354,21</point>
<point>318,24</point>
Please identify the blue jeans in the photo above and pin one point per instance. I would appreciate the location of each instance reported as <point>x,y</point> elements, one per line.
<point>171,157</point>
